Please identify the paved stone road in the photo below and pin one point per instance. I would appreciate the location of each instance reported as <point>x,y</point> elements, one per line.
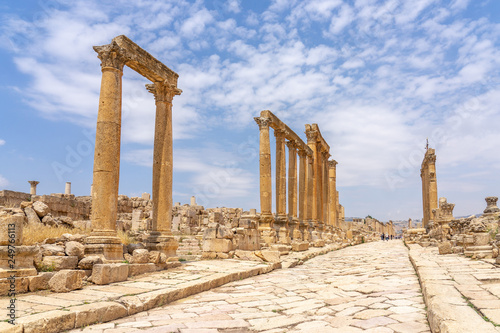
<point>366,288</point>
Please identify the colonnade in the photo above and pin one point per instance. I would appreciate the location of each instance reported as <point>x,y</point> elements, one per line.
<point>312,197</point>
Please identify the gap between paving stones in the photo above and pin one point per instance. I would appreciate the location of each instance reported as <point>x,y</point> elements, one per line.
<point>122,304</point>
<point>448,310</point>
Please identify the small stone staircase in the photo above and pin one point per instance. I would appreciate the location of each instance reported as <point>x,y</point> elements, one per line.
<point>189,247</point>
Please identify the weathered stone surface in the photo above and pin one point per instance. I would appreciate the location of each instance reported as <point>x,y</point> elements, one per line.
<point>109,273</point>
<point>40,208</point>
<point>99,312</point>
<point>66,280</point>
<point>217,245</point>
<point>140,256</point>
<point>40,281</point>
<point>136,269</point>
<point>268,255</point>
<point>135,246</point>
<point>32,215</point>
<point>445,248</point>
<point>52,250</point>
<point>48,322</point>
<point>224,232</point>
<point>89,262</point>
<point>300,246</point>
<point>73,248</point>
<point>59,262</point>
<point>154,257</point>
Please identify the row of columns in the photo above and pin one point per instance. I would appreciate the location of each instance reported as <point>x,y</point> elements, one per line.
<point>312,198</point>
<point>34,183</point>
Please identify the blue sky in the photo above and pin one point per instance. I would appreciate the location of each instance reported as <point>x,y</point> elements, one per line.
<point>379,77</point>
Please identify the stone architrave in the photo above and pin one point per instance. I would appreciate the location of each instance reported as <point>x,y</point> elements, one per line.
<point>33,184</point>
<point>161,238</point>
<point>266,189</point>
<point>103,239</point>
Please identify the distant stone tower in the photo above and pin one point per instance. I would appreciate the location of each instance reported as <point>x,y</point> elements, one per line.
<point>429,185</point>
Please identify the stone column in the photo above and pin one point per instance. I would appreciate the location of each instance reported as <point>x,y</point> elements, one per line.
<point>33,184</point>
<point>161,238</point>
<point>266,188</point>
<point>325,186</point>
<point>311,142</point>
<point>67,188</point>
<point>292,190</point>
<point>310,198</point>
<point>280,174</point>
<point>302,202</point>
<point>281,225</point>
<point>103,240</point>
<point>332,172</point>
<point>193,201</point>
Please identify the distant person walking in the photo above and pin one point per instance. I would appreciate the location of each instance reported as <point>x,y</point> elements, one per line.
<point>382,236</point>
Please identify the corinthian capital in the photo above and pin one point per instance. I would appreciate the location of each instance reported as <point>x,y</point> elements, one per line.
<point>312,136</point>
<point>163,91</point>
<point>262,122</point>
<point>111,55</point>
<point>332,163</point>
<point>292,144</point>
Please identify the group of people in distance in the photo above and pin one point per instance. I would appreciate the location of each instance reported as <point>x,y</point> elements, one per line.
<point>386,237</point>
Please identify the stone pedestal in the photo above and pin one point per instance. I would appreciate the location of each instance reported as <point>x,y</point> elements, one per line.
<point>267,233</point>
<point>491,208</point>
<point>281,227</point>
<point>16,259</point>
<point>167,245</point>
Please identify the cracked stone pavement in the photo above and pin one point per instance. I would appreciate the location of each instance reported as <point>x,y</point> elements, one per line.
<point>366,288</point>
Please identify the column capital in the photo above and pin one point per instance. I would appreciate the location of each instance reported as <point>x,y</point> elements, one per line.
<point>263,122</point>
<point>33,182</point>
<point>332,163</point>
<point>302,153</point>
<point>312,136</point>
<point>163,91</point>
<point>292,144</point>
<point>111,55</point>
<point>279,134</point>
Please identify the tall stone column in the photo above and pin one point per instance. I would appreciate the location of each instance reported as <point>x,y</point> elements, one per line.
<point>280,174</point>
<point>161,238</point>
<point>311,142</point>
<point>266,188</point>
<point>310,198</point>
<point>281,225</point>
<point>103,240</point>
<point>33,184</point>
<point>302,202</point>
<point>294,232</point>
<point>325,186</point>
<point>332,204</point>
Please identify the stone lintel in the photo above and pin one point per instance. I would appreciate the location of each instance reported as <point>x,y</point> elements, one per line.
<point>144,63</point>
<point>277,124</point>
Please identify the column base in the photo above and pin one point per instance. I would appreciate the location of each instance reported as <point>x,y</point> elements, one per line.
<point>106,245</point>
<point>165,244</point>
<point>267,236</point>
<point>282,231</point>
<point>23,265</point>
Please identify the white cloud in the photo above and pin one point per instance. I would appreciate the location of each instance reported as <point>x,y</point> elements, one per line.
<point>2,142</point>
<point>3,181</point>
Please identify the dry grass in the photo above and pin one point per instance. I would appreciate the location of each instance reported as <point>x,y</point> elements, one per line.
<point>126,238</point>
<point>38,233</point>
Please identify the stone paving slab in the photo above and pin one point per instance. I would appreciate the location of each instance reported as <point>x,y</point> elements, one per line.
<point>462,295</point>
<point>327,294</point>
<point>45,311</point>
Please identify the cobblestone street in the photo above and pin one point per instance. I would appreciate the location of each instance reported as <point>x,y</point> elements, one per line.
<point>366,288</point>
